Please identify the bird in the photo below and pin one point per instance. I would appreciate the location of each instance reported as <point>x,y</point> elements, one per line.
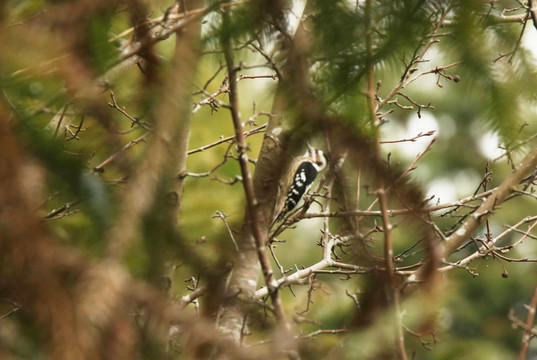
<point>298,178</point>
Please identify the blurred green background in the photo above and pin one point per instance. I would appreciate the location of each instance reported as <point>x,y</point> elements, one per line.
<point>493,104</point>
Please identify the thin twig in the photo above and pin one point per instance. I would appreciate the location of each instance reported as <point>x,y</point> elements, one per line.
<point>224,88</point>
<point>16,307</point>
<point>223,217</point>
<point>227,139</point>
<point>168,30</point>
<point>62,209</point>
<point>134,121</point>
<point>167,17</point>
<point>412,139</point>
<point>187,299</point>
<point>100,168</point>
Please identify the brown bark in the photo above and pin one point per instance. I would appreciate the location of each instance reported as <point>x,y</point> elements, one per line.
<point>243,278</point>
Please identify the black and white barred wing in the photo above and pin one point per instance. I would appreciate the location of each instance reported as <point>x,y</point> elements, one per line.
<point>304,177</point>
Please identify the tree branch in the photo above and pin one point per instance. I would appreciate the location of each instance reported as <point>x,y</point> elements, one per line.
<point>251,201</point>
<point>494,199</point>
<point>528,327</point>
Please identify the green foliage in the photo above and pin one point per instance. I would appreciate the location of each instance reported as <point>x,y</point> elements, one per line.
<point>341,35</point>
<point>102,52</point>
<point>487,81</point>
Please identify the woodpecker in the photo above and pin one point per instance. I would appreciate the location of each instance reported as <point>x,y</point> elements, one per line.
<point>297,181</point>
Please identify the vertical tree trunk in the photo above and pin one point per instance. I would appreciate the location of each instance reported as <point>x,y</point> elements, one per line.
<point>178,102</point>
<point>165,160</point>
<point>246,269</point>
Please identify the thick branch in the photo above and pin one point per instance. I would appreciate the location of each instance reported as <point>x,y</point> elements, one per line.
<point>494,199</point>
<point>533,12</point>
<point>498,195</point>
<point>529,325</point>
<point>252,204</point>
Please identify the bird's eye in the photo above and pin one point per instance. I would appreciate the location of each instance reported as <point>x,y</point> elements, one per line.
<point>319,163</point>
